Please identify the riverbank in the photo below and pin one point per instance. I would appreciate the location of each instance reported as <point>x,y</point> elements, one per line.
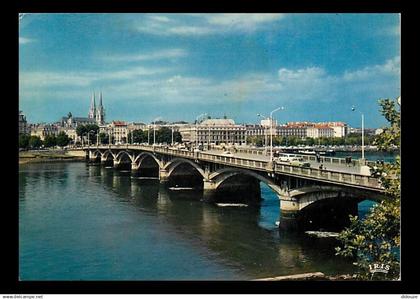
<point>48,156</point>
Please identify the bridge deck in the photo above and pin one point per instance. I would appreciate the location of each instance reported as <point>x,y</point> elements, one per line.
<point>337,172</point>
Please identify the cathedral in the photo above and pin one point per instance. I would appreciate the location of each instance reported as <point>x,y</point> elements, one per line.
<point>95,115</point>
<point>98,114</point>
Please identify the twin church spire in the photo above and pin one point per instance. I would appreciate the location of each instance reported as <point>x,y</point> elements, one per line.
<point>97,113</point>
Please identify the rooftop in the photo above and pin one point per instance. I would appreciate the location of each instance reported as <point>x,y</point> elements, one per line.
<point>218,122</point>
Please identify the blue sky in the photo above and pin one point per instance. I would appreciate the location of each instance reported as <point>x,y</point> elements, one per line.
<point>177,66</point>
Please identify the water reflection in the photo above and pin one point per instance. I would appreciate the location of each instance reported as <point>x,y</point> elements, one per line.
<point>232,235</point>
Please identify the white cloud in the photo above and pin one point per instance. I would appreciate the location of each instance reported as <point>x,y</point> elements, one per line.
<point>242,20</point>
<point>310,73</point>
<point>314,83</point>
<point>25,40</point>
<point>205,24</point>
<point>44,79</point>
<point>392,67</point>
<point>287,85</point>
<point>160,19</point>
<point>157,55</point>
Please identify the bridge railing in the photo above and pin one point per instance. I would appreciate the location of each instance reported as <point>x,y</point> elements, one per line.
<point>310,173</point>
<point>328,175</point>
<point>309,158</point>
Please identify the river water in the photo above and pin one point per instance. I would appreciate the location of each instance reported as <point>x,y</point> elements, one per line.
<point>85,222</point>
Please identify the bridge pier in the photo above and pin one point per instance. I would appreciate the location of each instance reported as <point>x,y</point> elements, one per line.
<point>289,209</point>
<point>134,167</point>
<point>163,176</point>
<point>209,190</point>
<point>116,163</point>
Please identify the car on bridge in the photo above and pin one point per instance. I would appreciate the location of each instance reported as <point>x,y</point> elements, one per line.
<point>296,161</point>
<point>227,153</point>
<point>286,157</point>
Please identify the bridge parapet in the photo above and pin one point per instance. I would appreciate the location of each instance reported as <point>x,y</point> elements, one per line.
<point>328,176</point>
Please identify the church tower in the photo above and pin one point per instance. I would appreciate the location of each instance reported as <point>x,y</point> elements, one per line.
<point>92,110</point>
<point>100,113</point>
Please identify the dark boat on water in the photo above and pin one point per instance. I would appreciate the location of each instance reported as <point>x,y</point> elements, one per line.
<point>328,153</point>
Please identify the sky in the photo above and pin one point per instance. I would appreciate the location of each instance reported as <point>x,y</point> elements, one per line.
<point>176,67</point>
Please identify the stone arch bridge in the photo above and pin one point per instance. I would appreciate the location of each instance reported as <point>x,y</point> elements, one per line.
<point>331,195</point>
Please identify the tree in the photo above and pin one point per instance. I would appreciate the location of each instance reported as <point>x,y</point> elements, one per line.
<point>50,140</point>
<point>23,140</point>
<point>35,142</point>
<point>177,137</point>
<point>376,239</point>
<point>62,139</point>
<point>164,135</point>
<point>83,130</point>
<point>255,140</point>
<point>139,136</point>
<point>103,138</point>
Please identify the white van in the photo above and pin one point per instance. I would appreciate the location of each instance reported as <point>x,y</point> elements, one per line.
<point>287,157</point>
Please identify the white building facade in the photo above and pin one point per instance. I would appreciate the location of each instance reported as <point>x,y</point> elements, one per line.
<point>215,132</point>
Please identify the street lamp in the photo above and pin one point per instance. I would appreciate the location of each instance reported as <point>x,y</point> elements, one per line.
<point>363,133</point>
<point>364,169</point>
<point>154,129</point>
<point>88,137</point>
<point>196,128</point>
<point>265,132</point>
<point>271,131</point>
<point>109,136</point>
<point>154,133</point>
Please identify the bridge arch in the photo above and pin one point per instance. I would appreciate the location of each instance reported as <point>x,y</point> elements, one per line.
<point>220,176</point>
<point>94,155</point>
<point>139,159</point>
<point>105,155</point>
<point>307,196</point>
<point>121,154</point>
<point>173,164</point>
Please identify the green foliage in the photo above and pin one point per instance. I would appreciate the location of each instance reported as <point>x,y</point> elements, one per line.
<point>390,137</point>
<point>255,140</point>
<point>103,138</point>
<point>50,141</point>
<point>83,130</point>
<point>164,135</point>
<point>35,142</point>
<point>62,139</point>
<point>23,140</point>
<point>350,139</point>
<point>376,239</point>
<point>137,136</point>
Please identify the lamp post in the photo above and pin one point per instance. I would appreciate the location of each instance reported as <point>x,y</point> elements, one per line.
<point>154,130</point>
<point>172,140</point>
<point>154,133</point>
<point>265,133</point>
<point>364,169</point>
<point>88,137</point>
<point>208,141</point>
<point>363,133</point>
<point>132,137</point>
<point>271,131</point>
<point>196,128</point>
<point>109,136</point>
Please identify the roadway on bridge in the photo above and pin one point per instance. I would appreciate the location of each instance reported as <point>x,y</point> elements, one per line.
<point>266,158</point>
